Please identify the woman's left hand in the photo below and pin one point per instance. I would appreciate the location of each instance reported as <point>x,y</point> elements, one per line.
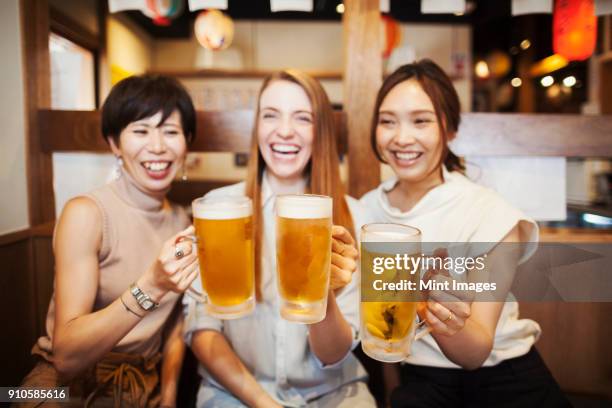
<point>445,311</point>
<point>343,258</point>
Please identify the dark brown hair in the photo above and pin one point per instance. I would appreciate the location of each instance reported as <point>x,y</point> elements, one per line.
<point>439,87</point>
<point>323,169</point>
<point>142,96</point>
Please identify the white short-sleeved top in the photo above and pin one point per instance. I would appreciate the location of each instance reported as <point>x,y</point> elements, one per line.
<point>275,351</point>
<point>461,211</point>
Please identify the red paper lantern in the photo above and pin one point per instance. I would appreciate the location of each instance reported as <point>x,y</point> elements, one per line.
<point>391,35</point>
<point>574,29</point>
<point>162,12</point>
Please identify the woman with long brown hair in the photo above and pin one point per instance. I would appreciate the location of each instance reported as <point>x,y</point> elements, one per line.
<point>479,354</point>
<point>262,360</point>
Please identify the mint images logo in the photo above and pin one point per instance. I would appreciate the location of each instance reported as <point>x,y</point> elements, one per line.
<point>487,271</point>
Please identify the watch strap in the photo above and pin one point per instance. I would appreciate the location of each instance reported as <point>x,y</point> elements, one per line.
<point>144,301</point>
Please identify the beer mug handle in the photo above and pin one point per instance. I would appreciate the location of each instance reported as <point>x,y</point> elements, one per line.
<point>422,331</point>
<point>191,292</point>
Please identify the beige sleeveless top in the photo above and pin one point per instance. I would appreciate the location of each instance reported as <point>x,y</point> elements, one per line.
<point>135,225</point>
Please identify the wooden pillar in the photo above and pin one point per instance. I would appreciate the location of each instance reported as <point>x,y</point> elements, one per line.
<point>526,92</point>
<point>103,67</point>
<point>37,83</point>
<point>362,78</point>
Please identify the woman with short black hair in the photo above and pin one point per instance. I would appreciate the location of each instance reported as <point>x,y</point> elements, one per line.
<point>118,272</point>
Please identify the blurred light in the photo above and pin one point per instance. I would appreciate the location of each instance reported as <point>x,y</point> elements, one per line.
<point>459,13</point>
<point>525,44</point>
<point>499,63</point>
<point>514,50</point>
<point>482,70</point>
<point>516,82</point>
<point>548,65</point>
<point>569,81</point>
<point>553,92</point>
<point>547,81</point>
<point>340,8</point>
<point>596,219</point>
<point>574,29</point>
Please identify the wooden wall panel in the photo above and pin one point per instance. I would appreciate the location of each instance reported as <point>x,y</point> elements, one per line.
<point>575,344</point>
<point>184,192</point>
<point>482,134</point>
<point>17,308</point>
<point>43,271</point>
<point>575,336</point>
<point>519,134</point>
<point>74,131</point>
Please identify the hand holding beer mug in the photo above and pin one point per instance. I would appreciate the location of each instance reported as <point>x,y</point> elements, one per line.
<point>224,237</point>
<point>303,255</point>
<point>388,314</point>
<point>445,311</point>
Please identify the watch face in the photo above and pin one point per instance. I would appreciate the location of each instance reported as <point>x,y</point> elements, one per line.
<point>147,304</point>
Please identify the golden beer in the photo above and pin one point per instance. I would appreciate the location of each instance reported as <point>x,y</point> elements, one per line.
<point>389,321</point>
<point>303,255</point>
<point>388,318</point>
<point>224,231</point>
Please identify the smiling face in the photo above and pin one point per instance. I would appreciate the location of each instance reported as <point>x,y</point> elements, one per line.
<point>408,134</point>
<point>152,155</point>
<point>285,129</point>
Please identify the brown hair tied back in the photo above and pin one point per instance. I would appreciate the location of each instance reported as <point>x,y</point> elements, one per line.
<point>439,87</point>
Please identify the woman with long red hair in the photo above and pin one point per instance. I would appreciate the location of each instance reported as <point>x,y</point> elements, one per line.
<point>262,360</point>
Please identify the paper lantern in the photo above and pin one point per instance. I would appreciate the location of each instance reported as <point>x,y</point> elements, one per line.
<point>574,29</point>
<point>214,30</point>
<point>391,35</point>
<point>163,11</point>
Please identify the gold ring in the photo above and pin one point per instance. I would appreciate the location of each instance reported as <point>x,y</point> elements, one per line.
<point>450,317</point>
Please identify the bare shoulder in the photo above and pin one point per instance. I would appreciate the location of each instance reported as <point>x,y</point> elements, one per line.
<point>81,223</point>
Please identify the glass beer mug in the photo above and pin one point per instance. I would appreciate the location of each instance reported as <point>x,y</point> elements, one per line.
<point>303,255</point>
<point>224,239</point>
<point>388,317</point>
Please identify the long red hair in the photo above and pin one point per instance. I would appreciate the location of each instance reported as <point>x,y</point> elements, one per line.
<point>323,169</point>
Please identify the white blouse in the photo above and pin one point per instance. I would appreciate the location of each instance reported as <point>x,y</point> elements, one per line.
<point>274,350</point>
<point>461,211</point>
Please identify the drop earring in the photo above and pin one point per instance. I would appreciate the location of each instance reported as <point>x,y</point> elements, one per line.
<point>184,173</point>
<point>118,168</point>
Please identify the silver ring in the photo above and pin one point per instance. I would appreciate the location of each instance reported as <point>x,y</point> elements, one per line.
<point>178,252</point>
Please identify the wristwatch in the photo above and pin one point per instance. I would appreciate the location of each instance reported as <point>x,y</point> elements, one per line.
<point>144,300</point>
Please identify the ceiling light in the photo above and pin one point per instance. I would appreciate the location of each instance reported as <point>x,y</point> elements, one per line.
<point>569,81</point>
<point>516,82</point>
<point>547,81</point>
<point>525,44</point>
<point>482,69</point>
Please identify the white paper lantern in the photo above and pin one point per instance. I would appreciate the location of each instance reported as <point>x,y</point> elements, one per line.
<point>214,30</point>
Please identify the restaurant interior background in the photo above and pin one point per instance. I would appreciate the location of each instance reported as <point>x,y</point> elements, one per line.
<point>536,126</point>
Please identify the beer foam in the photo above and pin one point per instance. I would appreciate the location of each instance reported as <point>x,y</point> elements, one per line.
<point>304,206</point>
<point>222,208</point>
<point>389,233</point>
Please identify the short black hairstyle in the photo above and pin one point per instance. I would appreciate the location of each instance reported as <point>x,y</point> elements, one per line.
<point>142,96</point>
